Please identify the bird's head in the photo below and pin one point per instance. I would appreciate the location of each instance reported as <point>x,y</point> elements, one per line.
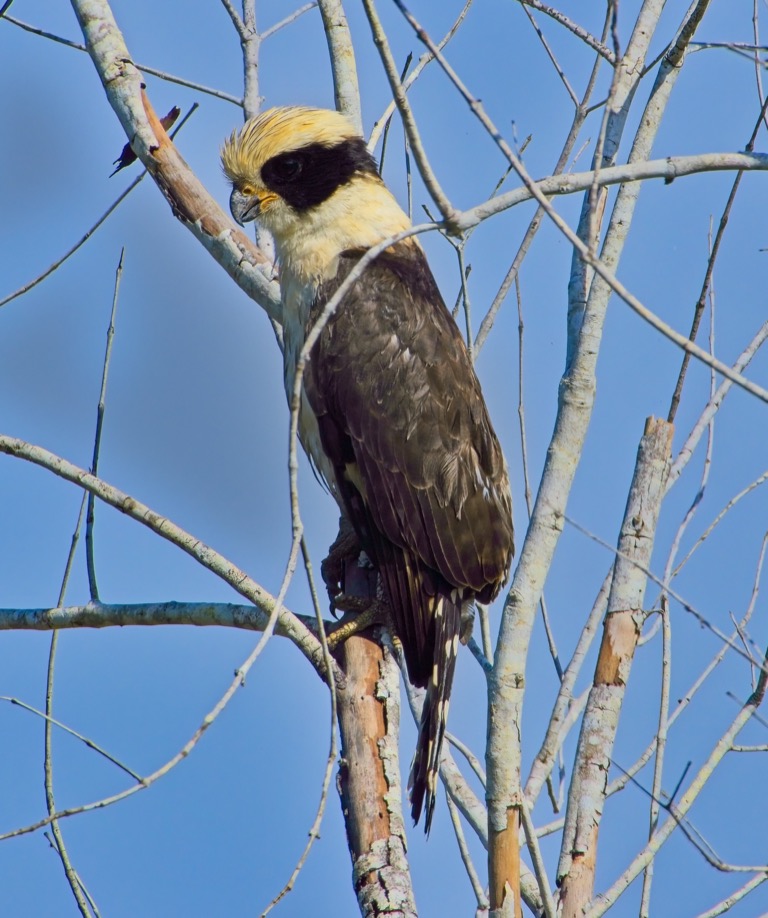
<point>307,176</point>
<point>287,161</point>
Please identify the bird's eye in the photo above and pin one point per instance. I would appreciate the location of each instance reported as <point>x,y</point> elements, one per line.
<point>286,168</point>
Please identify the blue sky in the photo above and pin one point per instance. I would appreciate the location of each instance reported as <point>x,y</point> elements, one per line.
<point>196,427</point>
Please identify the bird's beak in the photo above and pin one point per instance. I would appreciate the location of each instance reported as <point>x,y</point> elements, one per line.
<point>244,207</point>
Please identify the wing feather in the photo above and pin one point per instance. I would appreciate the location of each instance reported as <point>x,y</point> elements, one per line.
<point>392,367</point>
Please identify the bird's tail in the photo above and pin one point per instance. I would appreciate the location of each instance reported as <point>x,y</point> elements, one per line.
<point>426,760</point>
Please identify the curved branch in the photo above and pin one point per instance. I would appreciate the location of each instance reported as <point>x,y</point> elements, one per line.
<point>210,559</point>
<point>145,68</point>
<point>669,169</point>
<point>189,200</point>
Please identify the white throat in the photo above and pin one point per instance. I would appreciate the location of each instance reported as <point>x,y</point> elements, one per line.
<point>356,216</point>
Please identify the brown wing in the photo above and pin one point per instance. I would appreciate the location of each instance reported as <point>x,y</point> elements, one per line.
<point>395,393</point>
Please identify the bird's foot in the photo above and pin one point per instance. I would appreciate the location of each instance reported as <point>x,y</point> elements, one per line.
<point>359,615</point>
<point>345,549</point>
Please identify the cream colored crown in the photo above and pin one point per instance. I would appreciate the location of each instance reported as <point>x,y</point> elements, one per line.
<point>280,130</point>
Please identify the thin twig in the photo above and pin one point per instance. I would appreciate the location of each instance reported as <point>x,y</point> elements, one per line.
<point>89,232</point>
<point>145,68</point>
<point>466,857</point>
<point>675,595</point>
<point>540,871</point>
<point>50,801</point>
<point>606,900</point>
<point>666,662</point>
<point>88,897</point>
<point>620,782</point>
<point>464,272</point>
<point>577,30</point>
<point>713,253</point>
<point>268,33</point>
<point>521,397</point>
<point>718,519</point>
<point>714,404</point>
<point>445,207</point>
<point>204,554</point>
<point>71,251</point>
<point>524,455</point>
<point>384,121</point>
<point>551,55</point>
<point>79,736</point>
<point>208,720</point>
<point>692,834</point>
<point>388,125</point>
<point>533,227</point>
<point>314,831</point>
<point>661,745</point>
<point>90,516</point>
<point>472,759</point>
<point>725,905</point>
<point>564,708</point>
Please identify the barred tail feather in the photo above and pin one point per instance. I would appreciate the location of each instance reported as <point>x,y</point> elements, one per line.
<point>434,715</point>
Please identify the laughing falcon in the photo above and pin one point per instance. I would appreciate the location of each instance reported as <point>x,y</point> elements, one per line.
<point>392,415</point>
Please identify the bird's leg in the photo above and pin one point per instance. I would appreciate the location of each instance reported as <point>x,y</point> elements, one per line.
<point>352,584</point>
<point>345,550</point>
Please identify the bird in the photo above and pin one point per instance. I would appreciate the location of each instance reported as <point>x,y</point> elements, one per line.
<point>391,411</point>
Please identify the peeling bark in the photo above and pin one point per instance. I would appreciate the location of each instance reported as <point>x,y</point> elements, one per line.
<point>369,772</point>
<point>504,864</point>
<point>621,630</point>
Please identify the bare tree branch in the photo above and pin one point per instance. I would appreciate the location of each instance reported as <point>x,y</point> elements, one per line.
<point>623,620</point>
<point>369,779</point>
<point>110,615</point>
<point>202,553</point>
<point>678,812</point>
<point>189,200</point>
<point>385,120</point>
<point>346,91</point>
<point>445,207</point>
<point>669,169</point>
<point>578,31</point>
<point>144,68</point>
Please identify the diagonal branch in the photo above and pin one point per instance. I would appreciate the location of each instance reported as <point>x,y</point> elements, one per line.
<point>189,200</point>
<point>202,553</point>
<point>622,626</point>
<point>680,810</point>
<point>579,31</point>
